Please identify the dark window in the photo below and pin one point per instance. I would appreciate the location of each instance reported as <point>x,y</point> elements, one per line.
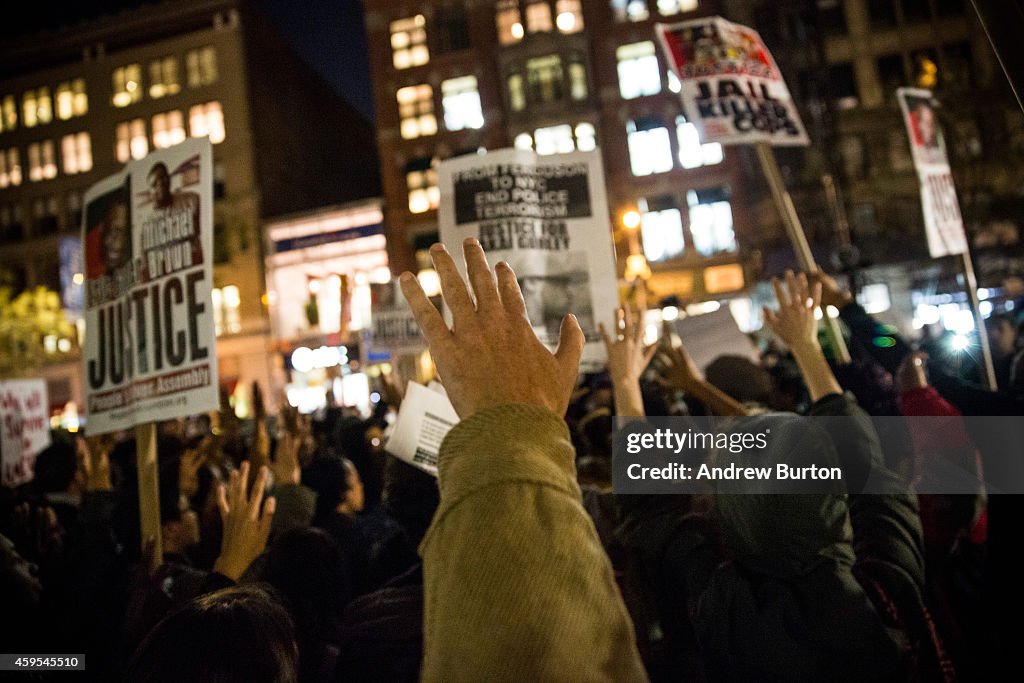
<point>950,8</point>
<point>452,29</point>
<point>221,243</point>
<point>915,11</point>
<point>842,86</point>
<point>14,276</point>
<point>890,74</point>
<point>882,13</point>
<point>958,64</point>
<point>218,180</point>
<point>832,17</point>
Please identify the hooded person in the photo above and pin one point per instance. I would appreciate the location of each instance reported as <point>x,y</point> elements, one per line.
<point>815,584</point>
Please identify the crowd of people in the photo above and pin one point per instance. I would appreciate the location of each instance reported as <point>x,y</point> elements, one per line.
<point>295,548</point>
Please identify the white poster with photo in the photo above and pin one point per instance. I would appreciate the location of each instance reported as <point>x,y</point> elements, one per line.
<point>944,225</point>
<point>547,216</point>
<point>24,428</point>
<point>149,351</point>
<point>731,87</point>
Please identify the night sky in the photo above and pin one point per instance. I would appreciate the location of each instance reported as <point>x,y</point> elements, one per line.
<point>328,34</point>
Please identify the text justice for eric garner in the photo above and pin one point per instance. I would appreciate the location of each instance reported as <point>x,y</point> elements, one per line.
<point>737,442</point>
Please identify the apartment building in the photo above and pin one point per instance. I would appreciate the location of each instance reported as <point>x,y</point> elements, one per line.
<point>454,78</point>
<point>78,102</point>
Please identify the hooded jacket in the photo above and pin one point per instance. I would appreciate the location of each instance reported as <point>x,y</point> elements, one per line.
<point>797,594</point>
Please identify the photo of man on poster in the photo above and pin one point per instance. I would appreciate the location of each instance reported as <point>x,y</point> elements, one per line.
<point>108,234</point>
<point>180,207</point>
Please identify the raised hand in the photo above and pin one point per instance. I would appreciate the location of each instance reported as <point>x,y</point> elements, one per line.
<point>492,356</point>
<point>795,325</point>
<point>285,468</point>
<point>246,527</point>
<point>627,356</point>
<point>794,322</point>
<point>831,293</point>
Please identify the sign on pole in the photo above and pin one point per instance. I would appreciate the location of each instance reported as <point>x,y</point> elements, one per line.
<point>731,87</point>
<point>24,429</point>
<point>943,223</point>
<point>733,92</point>
<point>547,216</point>
<point>149,349</point>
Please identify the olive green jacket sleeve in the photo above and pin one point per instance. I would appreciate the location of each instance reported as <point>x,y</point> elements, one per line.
<point>517,585</point>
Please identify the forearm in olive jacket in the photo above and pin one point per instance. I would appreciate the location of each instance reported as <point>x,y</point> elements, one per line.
<point>517,585</point>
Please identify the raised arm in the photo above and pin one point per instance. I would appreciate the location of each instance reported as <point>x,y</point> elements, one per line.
<point>795,325</point>
<point>511,545</point>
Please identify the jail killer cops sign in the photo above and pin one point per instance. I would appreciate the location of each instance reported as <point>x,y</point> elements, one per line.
<point>731,87</point>
<point>149,349</point>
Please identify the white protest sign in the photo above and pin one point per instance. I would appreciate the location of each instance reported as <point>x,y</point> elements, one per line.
<point>425,418</point>
<point>24,429</point>
<point>731,87</point>
<point>393,327</point>
<point>547,216</point>
<point>149,352</point>
<point>711,335</point>
<point>944,226</point>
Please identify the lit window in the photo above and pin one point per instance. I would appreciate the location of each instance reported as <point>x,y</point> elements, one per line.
<point>661,226</point>
<point>586,137</point>
<point>538,17</point>
<point>639,73</point>
<point>650,149</point>
<point>416,110</point>
<point>711,221</point>
<point>131,140</point>
<point>168,129</point>
<point>669,7</point>
<point>545,79</point>
<point>36,107</point>
<point>630,10</point>
<point>207,120</point>
<point>71,99</point>
<point>163,77</point>
<point>201,66</point>
<point>8,114</point>
<point>421,178</point>
<point>516,93</point>
<point>568,16</point>
<point>409,42</point>
<point>554,139</point>
<point>42,161</point>
<point>577,81</point>
<point>10,167</point>
<point>226,302</point>
<point>523,141</point>
<point>693,154</point>
<point>461,101</point>
<point>127,82</point>
<point>509,22</point>
<point>76,153</point>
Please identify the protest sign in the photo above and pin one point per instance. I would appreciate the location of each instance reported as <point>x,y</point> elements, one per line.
<point>711,335</point>
<point>547,216</point>
<point>731,87</point>
<point>393,329</point>
<point>425,418</point>
<point>25,428</point>
<point>149,351</point>
<point>943,223</point>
